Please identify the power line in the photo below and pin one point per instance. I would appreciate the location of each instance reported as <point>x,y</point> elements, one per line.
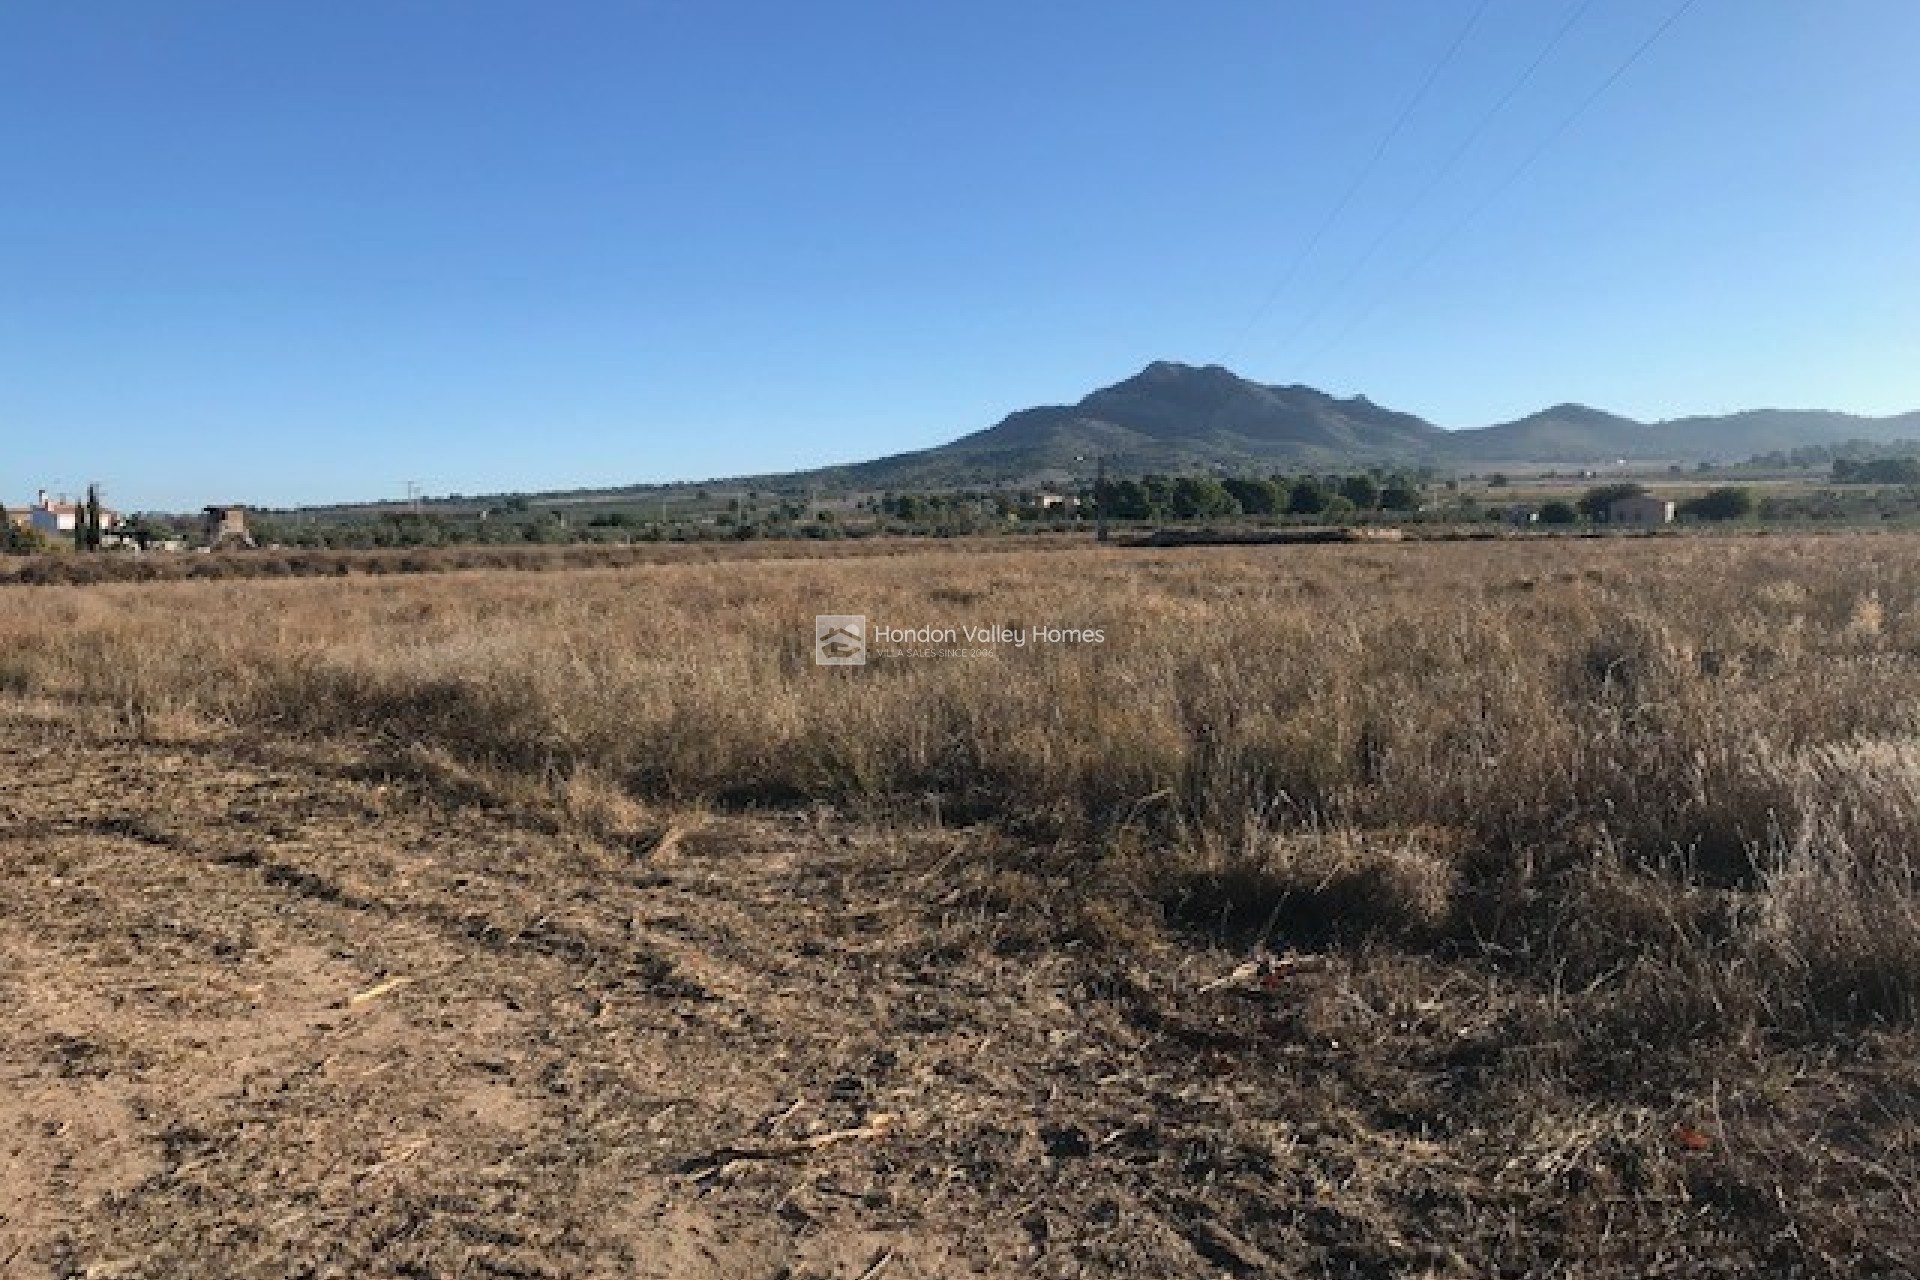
<point>1366,171</point>
<point>1518,172</point>
<point>1439,175</point>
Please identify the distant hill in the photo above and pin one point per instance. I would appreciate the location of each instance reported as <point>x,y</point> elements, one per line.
<point>1168,417</point>
<point>1173,417</point>
<point>1564,433</point>
<point>1572,433</point>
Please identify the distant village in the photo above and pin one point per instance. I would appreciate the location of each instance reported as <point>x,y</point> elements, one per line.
<point>88,524</point>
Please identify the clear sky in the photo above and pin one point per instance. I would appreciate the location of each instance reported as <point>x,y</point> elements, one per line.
<point>285,253</point>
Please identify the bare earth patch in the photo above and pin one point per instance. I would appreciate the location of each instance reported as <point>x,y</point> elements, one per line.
<point>264,1012</point>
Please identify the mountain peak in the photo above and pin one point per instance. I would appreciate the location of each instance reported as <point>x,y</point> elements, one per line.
<point>1164,372</point>
<point>1174,417</point>
<point>1571,411</point>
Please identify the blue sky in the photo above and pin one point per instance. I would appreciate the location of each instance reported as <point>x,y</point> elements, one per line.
<point>293,253</point>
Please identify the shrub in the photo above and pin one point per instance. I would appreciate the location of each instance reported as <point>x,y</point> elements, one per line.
<point>1595,502</point>
<point>19,539</point>
<point>1256,497</point>
<point>1400,495</point>
<point>1308,497</point>
<point>1362,491</point>
<point>1726,503</point>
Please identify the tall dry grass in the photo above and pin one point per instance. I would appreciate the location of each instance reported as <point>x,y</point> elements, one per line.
<point>1692,767</point>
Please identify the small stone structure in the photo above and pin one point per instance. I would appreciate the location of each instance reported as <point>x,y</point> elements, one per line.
<point>226,528</point>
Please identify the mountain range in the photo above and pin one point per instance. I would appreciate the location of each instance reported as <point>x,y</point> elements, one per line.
<point>1173,417</point>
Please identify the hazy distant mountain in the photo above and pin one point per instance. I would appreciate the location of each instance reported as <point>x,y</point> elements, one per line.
<point>1564,433</point>
<point>1573,433</point>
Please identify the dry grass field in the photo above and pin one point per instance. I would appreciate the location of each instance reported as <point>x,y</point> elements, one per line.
<point>1462,909</point>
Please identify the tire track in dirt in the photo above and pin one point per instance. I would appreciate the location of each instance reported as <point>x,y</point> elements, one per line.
<point>258,1021</point>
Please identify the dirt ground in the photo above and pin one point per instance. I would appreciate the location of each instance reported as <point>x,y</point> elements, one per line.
<point>269,1010</point>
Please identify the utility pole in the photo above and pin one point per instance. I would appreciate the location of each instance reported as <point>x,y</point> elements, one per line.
<point>1099,482</point>
<point>1099,503</point>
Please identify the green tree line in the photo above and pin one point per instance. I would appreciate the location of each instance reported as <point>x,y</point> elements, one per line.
<point>1158,497</point>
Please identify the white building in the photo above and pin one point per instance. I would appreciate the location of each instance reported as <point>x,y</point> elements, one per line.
<point>50,516</point>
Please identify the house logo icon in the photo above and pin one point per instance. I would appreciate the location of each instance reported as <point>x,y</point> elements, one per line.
<point>840,640</point>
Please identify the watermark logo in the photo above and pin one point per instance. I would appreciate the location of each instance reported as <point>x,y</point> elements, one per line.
<point>849,639</point>
<point>840,640</point>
